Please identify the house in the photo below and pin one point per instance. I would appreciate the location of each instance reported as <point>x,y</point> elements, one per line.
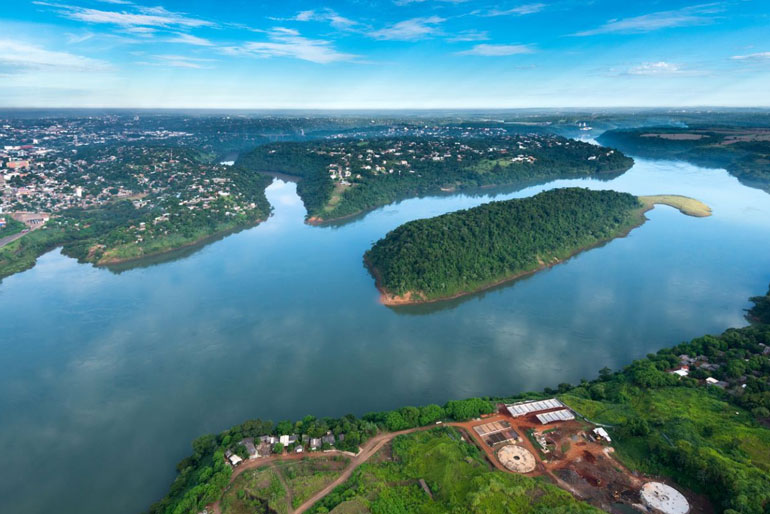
<point>328,438</point>
<point>268,439</point>
<point>718,383</point>
<point>298,449</point>
<point>284,440</point>
<point>315,443</point>
<point>248,443</point>
<point>682,371</point>
<point>602,434</point>
<point>233,458</point>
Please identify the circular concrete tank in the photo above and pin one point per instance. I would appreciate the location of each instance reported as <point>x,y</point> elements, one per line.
<point>516,458</point>
<point>663,498</point>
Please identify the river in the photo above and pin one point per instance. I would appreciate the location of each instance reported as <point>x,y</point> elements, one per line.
<point>107,377</point>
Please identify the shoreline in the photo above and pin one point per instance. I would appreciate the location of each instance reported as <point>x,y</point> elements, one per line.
<point>202,241</point>
<point>318,221</point>
<point>416,298</point>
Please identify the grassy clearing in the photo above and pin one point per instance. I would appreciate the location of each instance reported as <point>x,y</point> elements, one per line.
<point>308,476</point>
<point>679,417</point>
<point>255,492</point>
<point>456,473</point>
<point>686,205</point>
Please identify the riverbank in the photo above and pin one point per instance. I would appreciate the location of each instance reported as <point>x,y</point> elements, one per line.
<point>197,242</point>
<point>686,205</point>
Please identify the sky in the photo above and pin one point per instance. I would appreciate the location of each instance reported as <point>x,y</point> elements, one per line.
<point>383,54</point>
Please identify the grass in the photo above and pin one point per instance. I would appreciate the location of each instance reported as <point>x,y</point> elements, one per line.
<point>678,416</point>
<point>686,205</point>
<point>308,476</point>
<point>457,475</point>
<point>254,492</point>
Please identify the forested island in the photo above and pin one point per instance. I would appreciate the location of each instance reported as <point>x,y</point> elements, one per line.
<point>696,414</point>
<point>341,178</point>
<point>743,151</point>
<point>469,250</point>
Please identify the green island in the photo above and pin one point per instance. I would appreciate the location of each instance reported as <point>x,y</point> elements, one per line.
<point>695,416</point>
<point>744,151</point>
<point>470,250</point>
<point>342,178</point>
<point>113,204</point>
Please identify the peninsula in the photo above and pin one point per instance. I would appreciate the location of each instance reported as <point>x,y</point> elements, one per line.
<point>344,177</point>
<point>470,250</point>
<point>694,415</point>
<point>744,151</point>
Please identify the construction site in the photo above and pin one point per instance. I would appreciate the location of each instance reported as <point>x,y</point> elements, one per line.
<point>547,438</point>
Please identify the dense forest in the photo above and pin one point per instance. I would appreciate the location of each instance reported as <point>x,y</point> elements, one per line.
<point>712,439</point>
<point>469,249</point>
<point>743,151</point>
<point>419,166</point>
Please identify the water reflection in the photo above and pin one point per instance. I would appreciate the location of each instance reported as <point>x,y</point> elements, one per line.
<point>283,320</point>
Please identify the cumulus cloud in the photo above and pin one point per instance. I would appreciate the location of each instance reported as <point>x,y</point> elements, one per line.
<point>655,68</point>
<point>285,42</point>
<point>688,16</point>
<point>410,30</point>
<point>497,50</point>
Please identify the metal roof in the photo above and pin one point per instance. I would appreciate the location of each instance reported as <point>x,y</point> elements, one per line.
<point>524,408</point>
<point>557,415</point>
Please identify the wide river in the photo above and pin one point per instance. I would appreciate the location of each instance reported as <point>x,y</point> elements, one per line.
<point>107,377</point>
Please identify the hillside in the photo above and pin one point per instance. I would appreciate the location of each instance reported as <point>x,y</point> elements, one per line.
<point>341,178</point>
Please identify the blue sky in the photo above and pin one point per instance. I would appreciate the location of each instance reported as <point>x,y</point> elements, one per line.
<point>384,53</point>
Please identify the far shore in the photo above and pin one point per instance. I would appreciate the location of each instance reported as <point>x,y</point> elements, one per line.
<point>202,241</point>
<point>686,205</point>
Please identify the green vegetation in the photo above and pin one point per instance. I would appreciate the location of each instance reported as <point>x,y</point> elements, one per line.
<point>12,226</point>
<point>713,439</point>
<point>709,438</point>
<point>760,311</point>
<point>458,477</point>
<point>184,200</point>
<point>343,178</point>
<point>256,491</point>
<point>309,475</point>
<point>743,151</point>
<point>471,249</point>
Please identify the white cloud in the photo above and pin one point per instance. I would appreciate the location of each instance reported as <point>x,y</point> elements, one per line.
<point>142,16</point>
<point>16,56</point>
<point>407,2</point>
<point>189,39</point>
<point>655,68</point>
<point>284,42</point>
<point>410,30</point>
<point>177,61</point>
<point>759,56</point>
<point>497,50</point>
<point>469,35</point>
<point>520,10</point>
<point>688,16</point>
<point>324,15</point>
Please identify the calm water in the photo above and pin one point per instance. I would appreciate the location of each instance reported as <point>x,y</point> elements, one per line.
<point>106,378</point>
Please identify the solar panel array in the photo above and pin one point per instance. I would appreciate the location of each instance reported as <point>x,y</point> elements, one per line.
<point>524,408</point>
<point>557,415</point>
